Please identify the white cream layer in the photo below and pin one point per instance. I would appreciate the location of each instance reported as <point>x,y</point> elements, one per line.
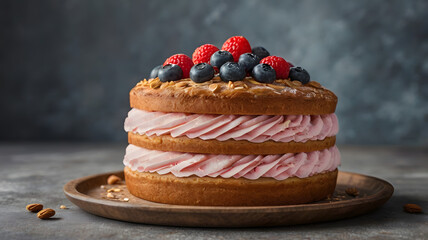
<point>282,128</point>
<point>279,167</point>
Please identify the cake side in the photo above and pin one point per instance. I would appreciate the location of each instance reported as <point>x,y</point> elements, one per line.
<point>246,97</point>
<point>207,191</point>
<point>196,145</point>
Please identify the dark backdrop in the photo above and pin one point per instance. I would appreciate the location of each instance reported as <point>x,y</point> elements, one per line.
<point>67,66</point>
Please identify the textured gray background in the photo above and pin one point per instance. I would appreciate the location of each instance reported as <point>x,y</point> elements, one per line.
<point>66,66</point>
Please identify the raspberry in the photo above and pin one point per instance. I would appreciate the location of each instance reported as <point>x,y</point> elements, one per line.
<point>237,45</point>
<point>282,67</point>
<point>203,53</point>
<point>181,60</point>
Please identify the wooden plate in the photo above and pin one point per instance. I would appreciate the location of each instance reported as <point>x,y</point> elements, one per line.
<point>90,194</point>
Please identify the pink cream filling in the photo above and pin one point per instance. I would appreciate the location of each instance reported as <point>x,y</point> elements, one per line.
<point>279,128</point>
<point>279,167</point>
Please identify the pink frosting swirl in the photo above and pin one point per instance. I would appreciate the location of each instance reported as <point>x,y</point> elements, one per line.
<point>248,166</point>
<point>279,128</point>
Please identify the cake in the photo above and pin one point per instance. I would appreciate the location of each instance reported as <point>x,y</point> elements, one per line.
<point>231,127</point>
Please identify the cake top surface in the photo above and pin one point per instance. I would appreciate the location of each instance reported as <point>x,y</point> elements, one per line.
<point>246,88</point>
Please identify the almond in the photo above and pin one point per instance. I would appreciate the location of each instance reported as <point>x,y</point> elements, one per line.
<point>230,85</point>
<point>216,78</point>
<point>142,82</point>
<point>352,192</point>
<point>260,91</point>
<point>278,87</point>
<point>314,84</point>
<point>164,85</point>
<point>114,190</point>
<point>34,207</point>
<point>296,83</point>
<point>63,207</point>
<point>412,208</point>
<point>214,88</point>
<point>287,83</point>
<point>181,84</point>
<point>254,82</point>
<point>46,213</point>
<point>113,179</point>
<point>155,84</point>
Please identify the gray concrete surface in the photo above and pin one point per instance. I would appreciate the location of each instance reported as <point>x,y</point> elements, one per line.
<point>35,173</point>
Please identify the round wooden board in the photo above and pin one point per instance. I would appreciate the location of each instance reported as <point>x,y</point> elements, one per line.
<point>90,194</point>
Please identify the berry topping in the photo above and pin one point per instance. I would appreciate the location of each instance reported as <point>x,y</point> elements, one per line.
<point>264,73</point>
<point>201,72</point>
<point>299,74</point>
<point>237,45</point>
<point>154,72</point>
<point>170,72</point>
<point>248,61</point>
<point>220,57</point>
<point>181,60</point>
<point>261,52</point>
<point>232,71</point>
<point>203,53</point>
<point>281,66</point>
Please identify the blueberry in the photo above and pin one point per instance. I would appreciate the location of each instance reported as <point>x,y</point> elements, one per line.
<point>299,74</point>
<point>154,72</point>
<point>264,73</point>
<point>170,72</point>
<point>232,71</point>
<point>220,57</point>
<point>261,52</point>
<point>201,72</point>
<point>248,61</point>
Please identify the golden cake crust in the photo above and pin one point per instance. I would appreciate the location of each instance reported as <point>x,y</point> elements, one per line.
<point>247,97</point>
<point>196,145</point>
<point>207,191</point>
